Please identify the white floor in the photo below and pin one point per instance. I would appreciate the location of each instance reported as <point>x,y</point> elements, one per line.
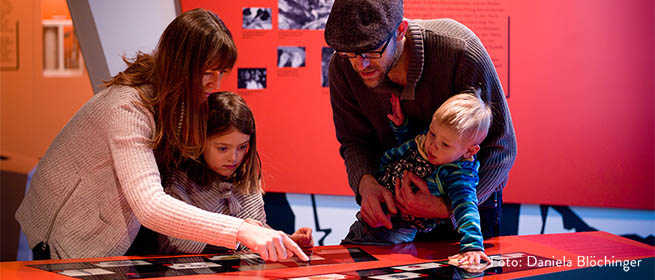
<point>612,220</point>
<point>334,212</point>
<point>338,213</point>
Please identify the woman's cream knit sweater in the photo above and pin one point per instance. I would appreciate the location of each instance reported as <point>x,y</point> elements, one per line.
<point>99,181</point>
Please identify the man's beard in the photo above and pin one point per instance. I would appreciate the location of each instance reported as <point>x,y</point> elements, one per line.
<point>379,81</point>
<point>383,77</point>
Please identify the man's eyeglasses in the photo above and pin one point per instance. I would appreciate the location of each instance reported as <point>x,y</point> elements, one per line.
<point>369,54</point>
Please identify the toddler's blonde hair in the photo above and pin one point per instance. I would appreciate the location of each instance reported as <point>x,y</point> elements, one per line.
<point>467,114</point>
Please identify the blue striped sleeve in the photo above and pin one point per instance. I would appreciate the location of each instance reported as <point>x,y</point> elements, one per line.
<point>395,153</point>
<point>401,133</point>
<point>460,185</point>
<point>434,184</point>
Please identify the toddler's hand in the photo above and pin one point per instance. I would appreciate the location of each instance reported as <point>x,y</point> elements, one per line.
<point>303,237</point>
<point>396,115</point>
<point>469,258</point>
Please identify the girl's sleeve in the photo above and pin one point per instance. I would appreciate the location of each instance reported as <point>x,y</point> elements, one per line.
<point>129,129</point>
<point>252,206</point>
<point>171,245</point>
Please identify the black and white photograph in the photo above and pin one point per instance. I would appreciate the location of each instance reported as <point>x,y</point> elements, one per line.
<point>257,18</point>
<point>303,14</point>
<point>326,54</point>
<point>290,56</point>
<point>252,78</point>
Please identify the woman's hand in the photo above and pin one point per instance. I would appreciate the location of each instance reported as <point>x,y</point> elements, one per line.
<point>420,204</point>
<point>269,244</point>
<point>303,237</point>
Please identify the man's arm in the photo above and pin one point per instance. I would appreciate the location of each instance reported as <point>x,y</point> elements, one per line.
<point>498,150</point>
<point>352,128</point>
<point>354,132</point>
<point>357,137</point>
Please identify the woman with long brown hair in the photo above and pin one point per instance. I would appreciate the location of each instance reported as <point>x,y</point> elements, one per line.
<point>99,180</point>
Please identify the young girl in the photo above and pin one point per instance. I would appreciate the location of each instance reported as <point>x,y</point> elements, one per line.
<point>99,180</point>
<point>226,178</point>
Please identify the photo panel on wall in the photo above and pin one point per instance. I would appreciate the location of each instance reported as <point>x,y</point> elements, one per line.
<point>289,56</point>
<point>257,18</point>
<point>251,78</point>
<point>326,54</point>
<point>303,14</point>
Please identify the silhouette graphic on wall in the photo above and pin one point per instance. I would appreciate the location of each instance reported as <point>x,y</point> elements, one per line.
<point>318,227</point>
<point>569,218</point>
<point>279,214</point>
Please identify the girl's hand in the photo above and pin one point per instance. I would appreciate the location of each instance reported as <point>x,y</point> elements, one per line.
<point>269,244</point>
<point>469,258</point>
<point>396,115</point>
<point>303,237</point>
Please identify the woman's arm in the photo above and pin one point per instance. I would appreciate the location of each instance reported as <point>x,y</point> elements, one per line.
<point>128,133</point>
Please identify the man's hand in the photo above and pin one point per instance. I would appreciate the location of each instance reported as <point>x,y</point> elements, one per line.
<point>373,195</point>
<point>420,204</point>
<point>269,244</point>
<point>303,237</point>
<point>396,115</point>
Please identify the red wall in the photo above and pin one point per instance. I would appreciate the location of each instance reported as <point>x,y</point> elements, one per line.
<point>582,99</point>
<point>54,9</point>
<point>582,103</point>
<point>33,107</point>
<point>296,137</point>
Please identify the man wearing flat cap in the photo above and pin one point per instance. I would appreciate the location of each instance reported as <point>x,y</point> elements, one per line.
<point>424,62</point>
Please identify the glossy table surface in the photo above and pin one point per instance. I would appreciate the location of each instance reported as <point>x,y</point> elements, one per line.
<point>570,254</point>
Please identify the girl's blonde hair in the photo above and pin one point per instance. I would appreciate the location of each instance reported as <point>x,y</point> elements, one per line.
<point>467,114</point>
<point>193,42</point>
